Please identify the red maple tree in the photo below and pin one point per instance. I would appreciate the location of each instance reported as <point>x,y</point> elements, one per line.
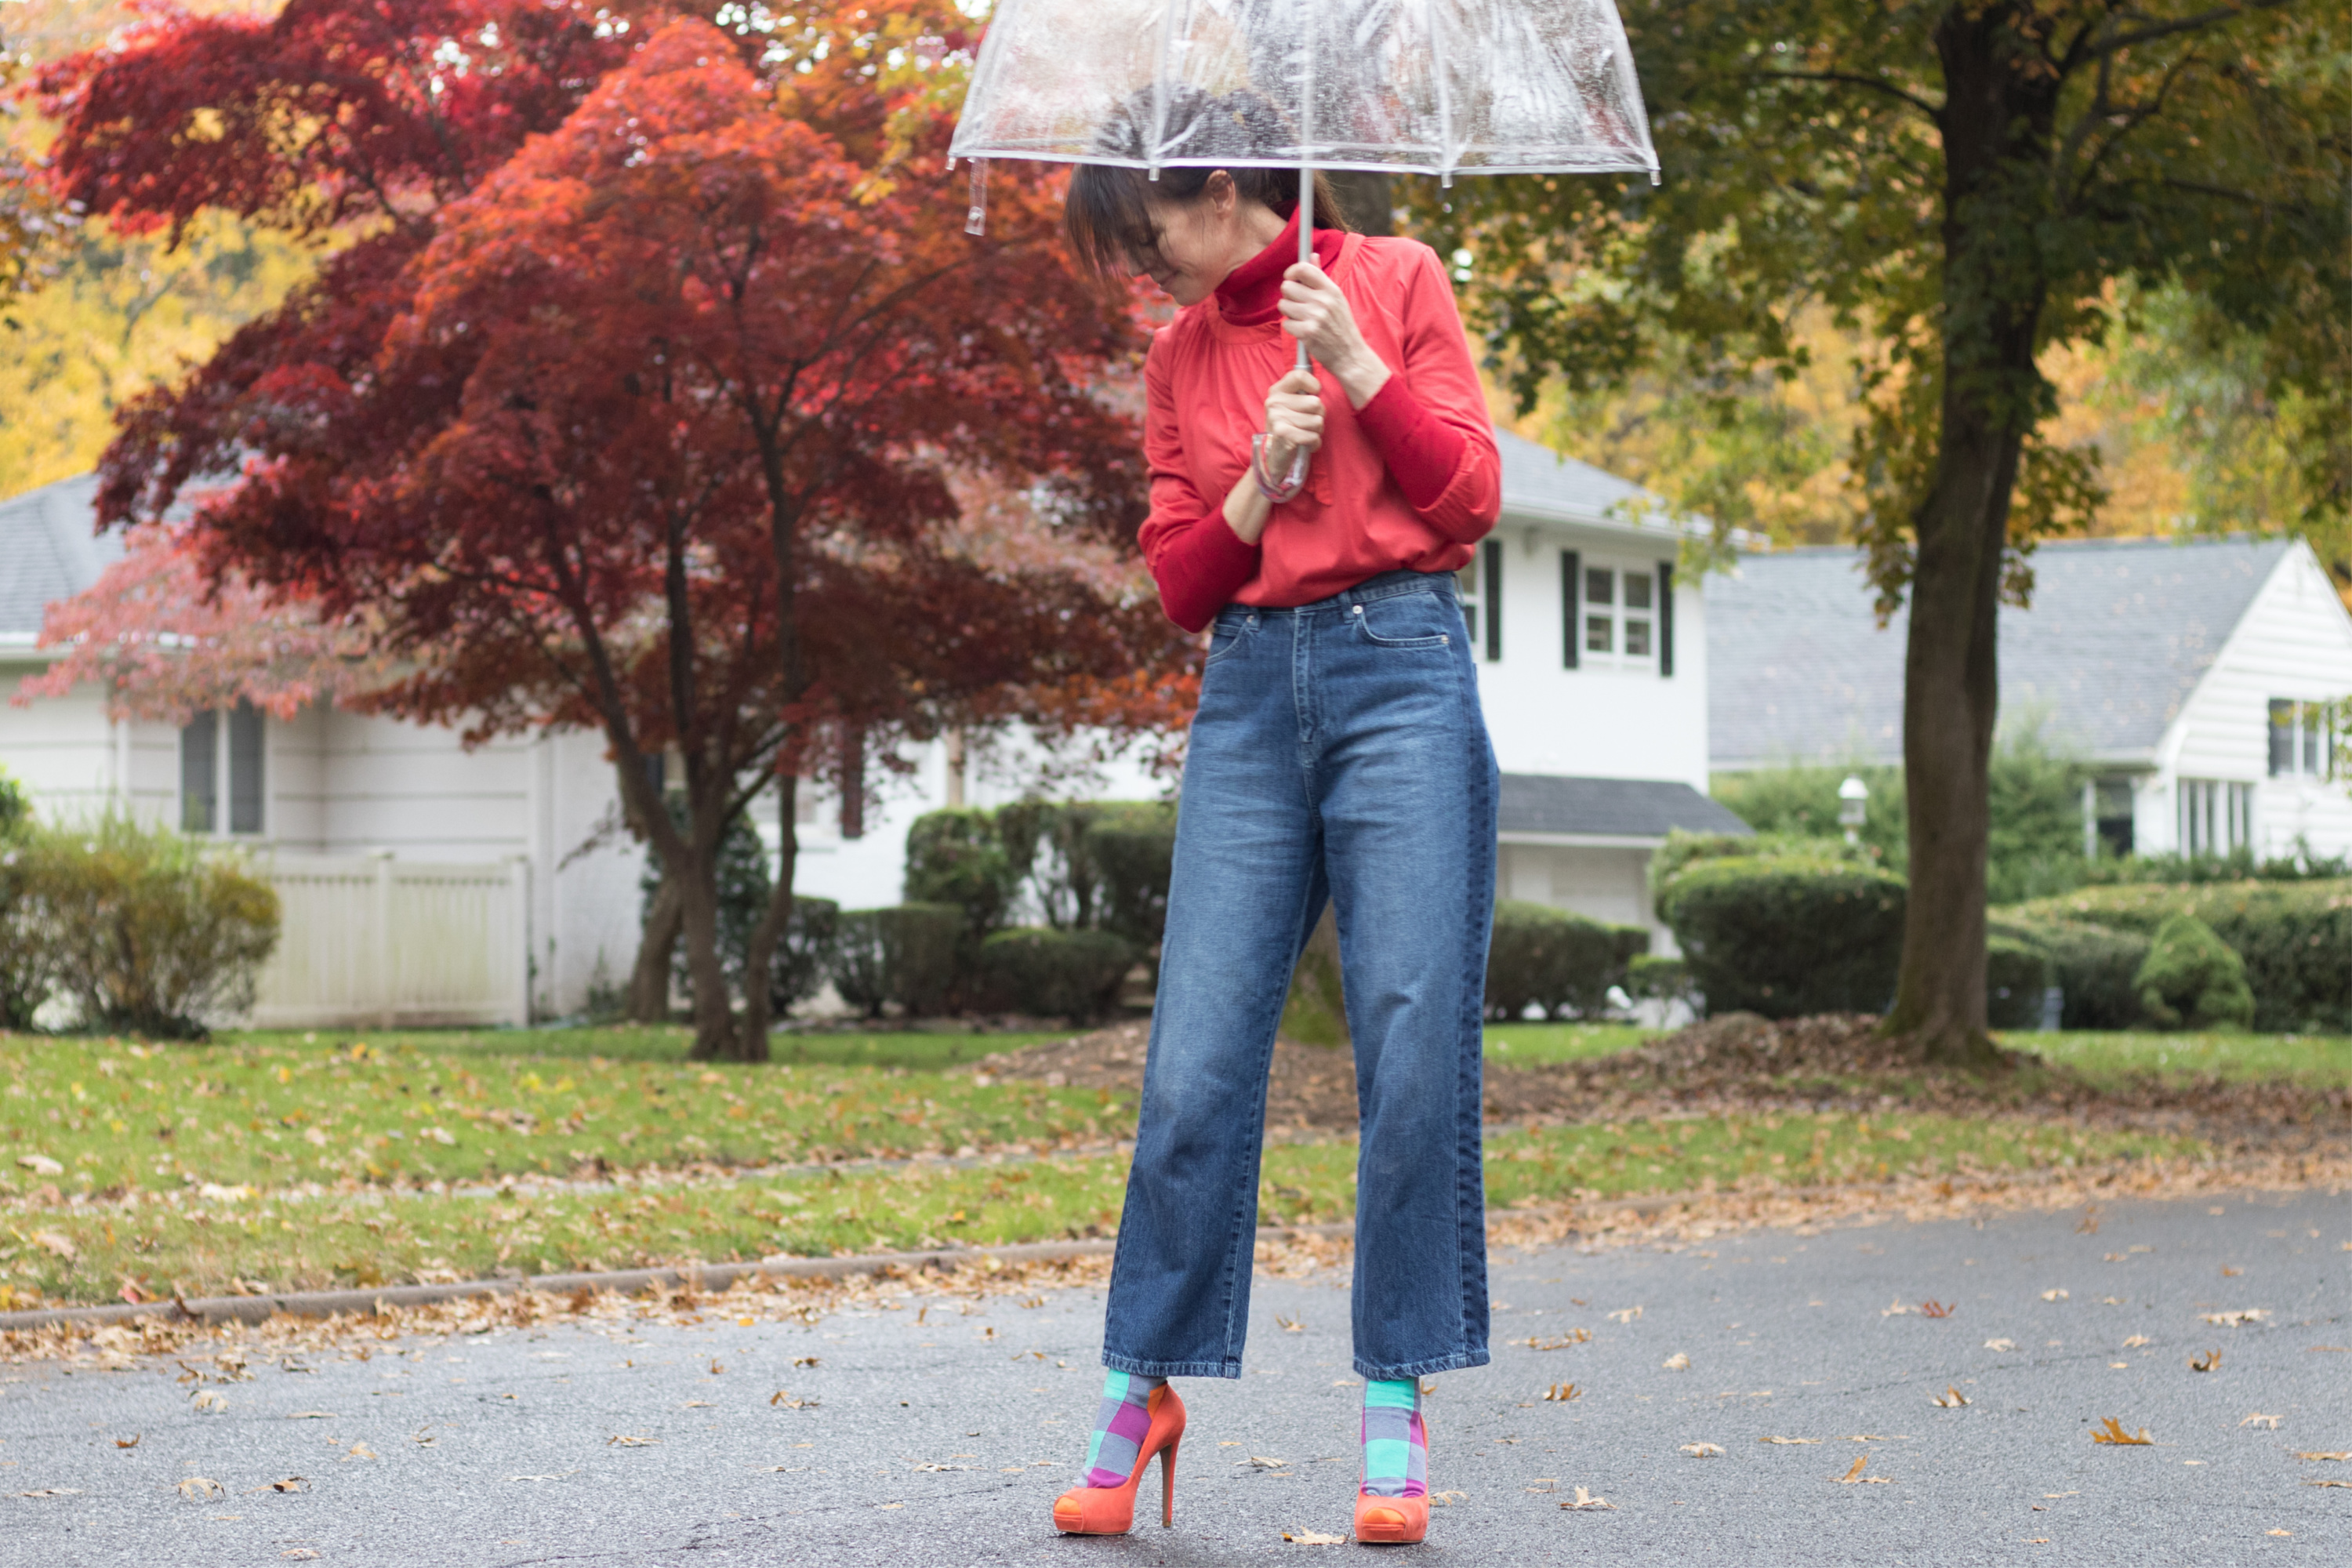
<point>656,420</point>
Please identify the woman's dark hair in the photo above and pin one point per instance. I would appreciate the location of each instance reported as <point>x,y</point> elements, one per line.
<point>1107,215</point>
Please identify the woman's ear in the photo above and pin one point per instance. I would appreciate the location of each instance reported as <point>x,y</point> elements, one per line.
<point>1223,195</point>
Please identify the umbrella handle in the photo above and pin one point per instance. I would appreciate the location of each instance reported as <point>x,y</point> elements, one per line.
<point>1306,232</point>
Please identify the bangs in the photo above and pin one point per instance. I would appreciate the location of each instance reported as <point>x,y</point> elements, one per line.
<point>1107,217</point>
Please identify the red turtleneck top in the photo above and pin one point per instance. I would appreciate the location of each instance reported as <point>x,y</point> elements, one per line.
<point>1410,481</point>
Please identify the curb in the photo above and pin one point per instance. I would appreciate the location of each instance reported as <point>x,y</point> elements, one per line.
<point>703,1277</point>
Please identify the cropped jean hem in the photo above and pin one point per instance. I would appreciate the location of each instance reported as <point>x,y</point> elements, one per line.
<point>1173,1368</point>
<point>1458,1362</point>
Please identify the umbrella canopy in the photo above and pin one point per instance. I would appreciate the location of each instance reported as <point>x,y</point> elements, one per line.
<point>1440,87</point>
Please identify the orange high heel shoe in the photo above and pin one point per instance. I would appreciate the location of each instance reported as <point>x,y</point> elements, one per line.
<point>1110,1511</point>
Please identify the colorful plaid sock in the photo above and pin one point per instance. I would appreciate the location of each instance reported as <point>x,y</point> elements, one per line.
<point>1396,1445</point>
<point>1119,1426</point>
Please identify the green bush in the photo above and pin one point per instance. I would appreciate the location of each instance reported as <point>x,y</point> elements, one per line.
<point>745,885</point>
<point>1558,961</point>
<point>2295,938</point>
<point>2191,977</point>
<point>145,934</point>
<point>1133,848</point>
<point>1659,979</point>
<point>15,806</point>
<point>1787,935</point>
<point>956,856</point>
<point>24,961</point>
<point>1049,973</point>
<point>2016,974</point>
<point>904,954</point>
<point>806,957</point>
<point>2096,969</point>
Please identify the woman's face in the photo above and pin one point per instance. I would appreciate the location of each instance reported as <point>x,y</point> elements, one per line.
<point>1203,240</point>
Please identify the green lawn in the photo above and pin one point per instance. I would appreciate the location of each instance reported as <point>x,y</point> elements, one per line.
<point>1530,1045</point>
<point>2320,1061</point>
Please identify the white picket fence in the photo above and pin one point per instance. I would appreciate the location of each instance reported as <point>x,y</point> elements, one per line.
<point>367,940</point>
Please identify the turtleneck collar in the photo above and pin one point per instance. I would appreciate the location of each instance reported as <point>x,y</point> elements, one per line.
<point>1250,294</point>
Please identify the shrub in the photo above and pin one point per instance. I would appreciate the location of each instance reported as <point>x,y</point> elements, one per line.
<point>1787,935</point>
<point>145,935</point>
<point>25,962</point>
<point>1073,974</point>
<point>904,954</point>
<point>1658,979</point>
<point>15,806</point>
<point>955,856</point>
<point>2294,938</point>
<point>2094,969</point>
<point>745,884</point>
<point>806,957</point>
<point>1556,960</point>
<point>2016,974</point>
<point>2191,977</point>
<point>1133,849</point>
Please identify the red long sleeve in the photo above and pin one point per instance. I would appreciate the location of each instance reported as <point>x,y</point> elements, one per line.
<point>1200,568</point>
<point>1420,450</point>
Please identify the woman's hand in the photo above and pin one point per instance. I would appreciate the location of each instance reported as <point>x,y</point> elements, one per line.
<point>1294,420</point>
<point>1317,314</point>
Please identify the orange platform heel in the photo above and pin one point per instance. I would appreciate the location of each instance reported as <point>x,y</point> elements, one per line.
<point>1110,1511</point>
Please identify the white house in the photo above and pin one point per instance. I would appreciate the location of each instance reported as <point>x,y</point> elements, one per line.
<point>2190,674</point>
<point>429,883</point>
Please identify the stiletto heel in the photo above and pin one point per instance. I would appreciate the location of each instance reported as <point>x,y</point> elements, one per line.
<point>1110,1511</point>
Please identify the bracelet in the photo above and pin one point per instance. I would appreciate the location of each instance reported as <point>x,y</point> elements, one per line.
<point>1292,483</point>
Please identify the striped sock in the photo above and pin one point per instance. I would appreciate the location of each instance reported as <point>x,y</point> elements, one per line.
<point>1119,1426</point>
<point>1396,1445</point>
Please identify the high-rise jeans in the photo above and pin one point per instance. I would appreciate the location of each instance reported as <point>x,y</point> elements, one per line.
<point>1338,753</point>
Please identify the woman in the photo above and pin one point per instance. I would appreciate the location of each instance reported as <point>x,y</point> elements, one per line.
<point>1337,754</point>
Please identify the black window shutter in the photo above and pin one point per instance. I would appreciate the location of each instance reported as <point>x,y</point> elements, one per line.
<point>1666,617</point>
<point>1571,567</point>
<point>1490,589</point>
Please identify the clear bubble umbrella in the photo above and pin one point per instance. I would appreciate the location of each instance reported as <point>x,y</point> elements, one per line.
<point>1432,87</point>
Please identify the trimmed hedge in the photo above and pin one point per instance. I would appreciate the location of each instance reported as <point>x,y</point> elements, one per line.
<point>1563,963</point>
<point>2096,969</point>
<point>2295,939</point>
<point>143,931</point>
<point>1656,978</point>
<point>2016,974</point>
<point>904,954</point>
<point>2191,977</point>
<point>806,957</point>
<point>1048,973</point>
<point>1785,936</point>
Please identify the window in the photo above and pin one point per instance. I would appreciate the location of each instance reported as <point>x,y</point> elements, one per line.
<point>2216,817</point>
<point>2303,740</point>
<point>1480,588</point>
<point>221,760</point>
<point>2108,831</point>
<point>1616,615</point>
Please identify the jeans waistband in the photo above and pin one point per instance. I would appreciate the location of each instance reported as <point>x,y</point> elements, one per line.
<point>1386,586</point>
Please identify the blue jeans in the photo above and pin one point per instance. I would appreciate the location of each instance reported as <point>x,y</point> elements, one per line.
<point>1338,753</point>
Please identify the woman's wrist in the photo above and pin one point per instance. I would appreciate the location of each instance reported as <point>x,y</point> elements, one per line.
<point>1245,510</point>
<point>1360,375</point>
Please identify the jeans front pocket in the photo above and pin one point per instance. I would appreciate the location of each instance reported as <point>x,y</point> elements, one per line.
<point>1228,636</point>
<point>1408,621</point>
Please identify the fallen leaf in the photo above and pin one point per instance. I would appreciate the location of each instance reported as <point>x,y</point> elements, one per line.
<point>1447,1499</point>
<point>2309,1349</point>
<point>619,1441</point>
<point>1626,1316</point>
<point>2000,1344</point>
<point>2089,1223</point>
<point>41,1164</point>
<point>2054,1495</point>
<point>2259,1419</point>
<point>1702,1450</point>
<point>1263,1462</point>
<point>208,1399</point>
<point>311,1416</point>
<point>2239,1317</point>
<point>359,1451</point>
<point>1791,1442</point>
<point>1290,1325</point>
<point>1895,1309</point>
<point>1677,1363</point>
<point>1952,1400</point>
<point>805,1361</point>
<point>290,1484</point>
<point>1574,1337</point>
<point>1544,1484</point>
<point>555,1477</point>
<point>129,1442</point>
<point>54,1242</point>
<point>2112,1431</point>
<point>2229,1273</point>
<point>2287,1532</point>
<point>715,1368</point>
<point>76,1491</point>
<point>1563,1391</point>
<point>2205,1363</point>
<point>2325,1454</point>
<point>696,1404</point>
<point>1585,1499</point>
<point>783,1397</point>
<point>303,1552</point>
<point>2053,1295</point>
<point>200,1488</point>
<point>2327,1483</point>
<point>2137,1340</point>
<point>1310,1538</point>
<point>1936,1309</point>
<point>1855,1478</point>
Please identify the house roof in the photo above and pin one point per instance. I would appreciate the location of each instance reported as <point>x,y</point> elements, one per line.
<point>48,552</point>
<point>1608,809</point>
<point>2119,633</point>
<point>1539,482</point>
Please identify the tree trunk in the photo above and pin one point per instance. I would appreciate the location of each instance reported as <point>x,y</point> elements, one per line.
<point>760,949</point>
<point>649,983</point>
<point>1996,126</point>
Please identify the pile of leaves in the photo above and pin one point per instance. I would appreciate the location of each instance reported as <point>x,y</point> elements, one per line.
<point>1739,1063</point>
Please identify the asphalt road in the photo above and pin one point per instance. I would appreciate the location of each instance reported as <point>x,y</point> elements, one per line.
<point>930,1434</point>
